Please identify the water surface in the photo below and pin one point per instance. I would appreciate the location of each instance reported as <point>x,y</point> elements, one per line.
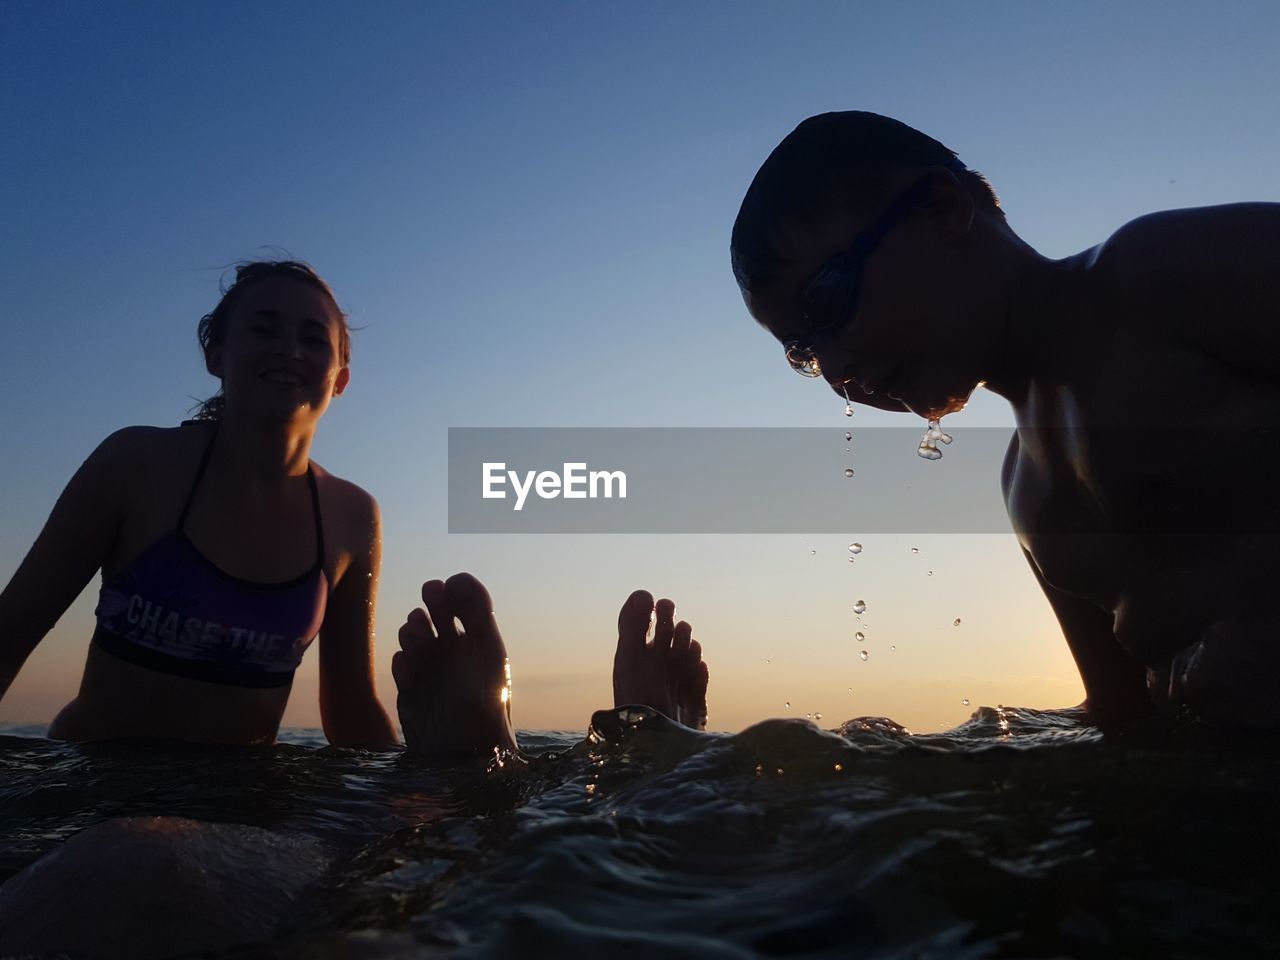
<point>1020,834</point>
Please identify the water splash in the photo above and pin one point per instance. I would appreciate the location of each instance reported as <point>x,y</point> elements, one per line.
<point>933,435</point>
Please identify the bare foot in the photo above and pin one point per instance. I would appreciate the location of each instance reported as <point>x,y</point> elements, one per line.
<point>454,685</point>
<point>666,673</point>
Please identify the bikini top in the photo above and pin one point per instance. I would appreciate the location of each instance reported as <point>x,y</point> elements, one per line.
<point>173,610</point>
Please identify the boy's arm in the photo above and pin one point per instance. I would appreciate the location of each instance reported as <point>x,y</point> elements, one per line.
<point>1115,684</point>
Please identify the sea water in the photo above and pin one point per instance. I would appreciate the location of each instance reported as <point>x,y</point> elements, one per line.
<point>1022,833</point>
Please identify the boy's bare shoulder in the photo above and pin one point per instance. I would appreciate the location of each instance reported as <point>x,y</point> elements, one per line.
<point>1187,251</point>
<point>1207,277</point>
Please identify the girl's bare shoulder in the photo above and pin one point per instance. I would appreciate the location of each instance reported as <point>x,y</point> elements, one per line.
<point>132,452</point>
<point>347,509</point>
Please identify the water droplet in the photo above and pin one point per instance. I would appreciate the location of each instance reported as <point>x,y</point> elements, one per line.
<point>853,559</point>
<point>808,716</point>
<point>965,701</point>
<point>768,661</point>
<point>863,654</point>
<point>859,636</point>
<point>860,607</point>
<point>928,452</point>
<point>848,437</point>
<point>813,553</point>
<point>955,622</point>
<point>787,704</point>
<point>851,689</point>
<point>915,549</point>
<point>893,646</point>
<point>933,435</point>
<point>848,409</point>
<point>848,471</point>
<point>855,548</point>
<point>817,716</point>
<point>931,573</point>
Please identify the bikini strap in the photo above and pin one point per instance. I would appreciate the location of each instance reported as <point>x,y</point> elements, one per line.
<point>204,462</point>
<point>315,504</point>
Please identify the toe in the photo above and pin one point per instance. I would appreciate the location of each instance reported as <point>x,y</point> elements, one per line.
<point>470,602</point>
<point>633,621</point>
<point>680,642</point>
<point>439,607</point>
<point>693,700</point>
<point>403,670</point>
<point>416,634</point>
<point>664,626</point>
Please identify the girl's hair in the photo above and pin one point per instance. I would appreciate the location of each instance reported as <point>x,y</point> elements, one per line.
<point>212,329</point>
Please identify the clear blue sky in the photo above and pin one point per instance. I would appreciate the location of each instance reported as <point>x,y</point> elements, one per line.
<point>527,208</point>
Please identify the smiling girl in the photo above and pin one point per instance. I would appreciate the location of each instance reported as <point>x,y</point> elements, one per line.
<point>224,551</point>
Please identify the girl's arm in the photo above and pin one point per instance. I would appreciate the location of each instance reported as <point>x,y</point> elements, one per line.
<point>75,542</point>
<point>350,710</point>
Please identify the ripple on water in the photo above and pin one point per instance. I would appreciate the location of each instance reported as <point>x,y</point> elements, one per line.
<point>1018,833</point>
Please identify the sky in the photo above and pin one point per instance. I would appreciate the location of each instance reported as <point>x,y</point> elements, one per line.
<point>525,210</point>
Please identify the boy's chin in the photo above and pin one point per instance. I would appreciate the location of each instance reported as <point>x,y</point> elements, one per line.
<point>936,404</point>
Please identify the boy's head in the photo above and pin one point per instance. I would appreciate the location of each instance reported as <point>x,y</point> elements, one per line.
<point>855,246</point>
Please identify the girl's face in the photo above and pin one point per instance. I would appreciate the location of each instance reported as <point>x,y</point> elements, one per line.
<point>281,357</point>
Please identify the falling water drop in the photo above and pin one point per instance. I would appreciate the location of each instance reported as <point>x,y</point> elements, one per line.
<point>915,549</point>
<point>855,548</point>
<point>893,646</point>
<point>787,704</point>
<point>965,701</point>
<point>863,654</point>
<point>848,437</point>
<point>860,607</point>
<point>859,636</point>
<point>955,622</point>
<point>848,471</point>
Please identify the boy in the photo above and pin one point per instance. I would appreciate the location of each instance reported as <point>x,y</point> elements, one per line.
<point>880,262</point>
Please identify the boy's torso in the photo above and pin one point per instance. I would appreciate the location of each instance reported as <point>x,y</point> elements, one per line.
<point>1143,476</point>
